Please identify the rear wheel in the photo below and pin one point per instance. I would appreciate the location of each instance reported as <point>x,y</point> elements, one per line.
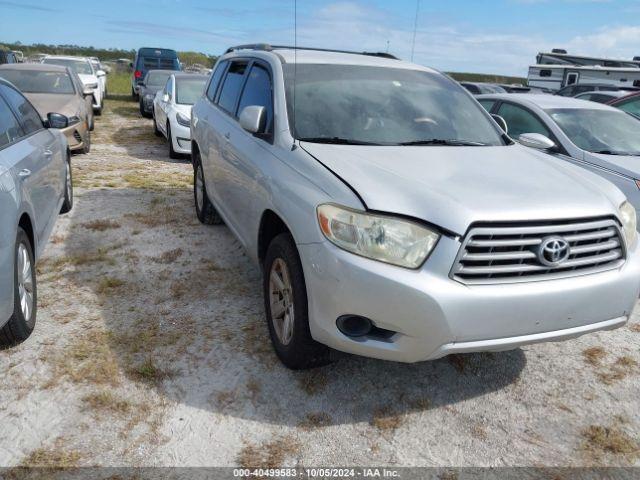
<point>286,307</point>
<point>87,143</point>
<point>98,111</point>
<point>25,294</point>
<point>205,211</point>
<point>68,188</point>
<point>92,122</point>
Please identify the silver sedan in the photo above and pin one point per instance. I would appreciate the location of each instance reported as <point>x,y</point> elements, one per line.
<point>35,186</point>
<point>597,137</point>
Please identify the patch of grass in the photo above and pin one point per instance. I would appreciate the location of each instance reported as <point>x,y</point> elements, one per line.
<point>107,284</point>
<point>119,83</point>
<point>154,180</point>
<point>169,256</point>
<point>594,355</point>
<point>101,225</point>
<point>87,359</point>
<point>105,401</point>
<point>635,327</point>
<point>315,420</point>
<point>609,440</point>
<point>386,419</point>
<point>312,382</point>
<point>100,255</point>
<point>148,371</point>
<point>271,454</point>
<point>622,367</point>
<point>55,457</point>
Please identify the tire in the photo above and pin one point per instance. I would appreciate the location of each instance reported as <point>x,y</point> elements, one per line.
<point>68,189</point>
<point>134,95</point>
<point>87,143</point>
<point>19,327</point>
<point>172,153</point>
<point>142,112</point>
<point>294,346</point>
<point>205,211</point>
<point>92,122</point>
<point>98,111</point>
<point>156,130</point>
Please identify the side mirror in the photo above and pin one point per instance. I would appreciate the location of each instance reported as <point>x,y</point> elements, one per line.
<point>101,73</point>
<point>501,123</point>
<point>87,92</point>
<point>57,120</point>
<point>537,141</point>
<point>166,98</point>
<point>253,119</point>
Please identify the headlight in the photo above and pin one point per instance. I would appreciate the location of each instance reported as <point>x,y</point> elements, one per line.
<point>629,223</point>
<point>386,239</point>
<point>183,120</point>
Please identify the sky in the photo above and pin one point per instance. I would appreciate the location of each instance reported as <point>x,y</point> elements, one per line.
<point>482,36</point>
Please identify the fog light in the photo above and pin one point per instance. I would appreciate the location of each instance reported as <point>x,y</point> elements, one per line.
<point>354,325</point>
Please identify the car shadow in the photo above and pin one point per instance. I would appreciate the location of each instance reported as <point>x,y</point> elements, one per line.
<point>182,310</point>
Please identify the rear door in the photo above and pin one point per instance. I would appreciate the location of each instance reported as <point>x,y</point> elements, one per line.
<point>39,162</point>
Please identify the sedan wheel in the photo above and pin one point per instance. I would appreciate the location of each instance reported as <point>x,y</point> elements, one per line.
<point>25,281</point>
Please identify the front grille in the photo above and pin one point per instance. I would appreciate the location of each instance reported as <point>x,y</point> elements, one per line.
<point>509,253</point>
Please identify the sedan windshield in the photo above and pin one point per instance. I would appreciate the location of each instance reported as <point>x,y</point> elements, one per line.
<point>600,131</point>
<point>31,81</point>
<point>188,91</point>
<point>352,104</point>
<point>81,67</point>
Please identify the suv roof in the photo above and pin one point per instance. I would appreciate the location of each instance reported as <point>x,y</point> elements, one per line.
<point>289,54</point>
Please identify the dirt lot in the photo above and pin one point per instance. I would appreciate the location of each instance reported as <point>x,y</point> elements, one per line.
<point>151,349</point>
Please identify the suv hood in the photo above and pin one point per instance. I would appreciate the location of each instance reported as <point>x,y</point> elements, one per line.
<point>453,187</point>
<point>52,103</point>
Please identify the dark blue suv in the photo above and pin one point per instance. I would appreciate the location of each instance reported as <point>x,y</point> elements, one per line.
<point>151,59</point>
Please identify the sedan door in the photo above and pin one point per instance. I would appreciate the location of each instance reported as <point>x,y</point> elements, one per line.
<point>38,163</point>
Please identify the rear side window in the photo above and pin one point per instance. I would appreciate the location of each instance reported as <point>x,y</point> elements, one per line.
<point>257,91</point>
<point>521,121</point>
<point>632,106</point>
<point>10,129</point>
<point>215,80</point>
<point>487,104</point>
<point>29,117</point>
<point>231,86</point>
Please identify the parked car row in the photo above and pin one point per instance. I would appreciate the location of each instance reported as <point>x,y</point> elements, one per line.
<point>391,214</point>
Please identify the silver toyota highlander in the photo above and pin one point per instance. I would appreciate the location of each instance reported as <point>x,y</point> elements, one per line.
<point>394,219</point>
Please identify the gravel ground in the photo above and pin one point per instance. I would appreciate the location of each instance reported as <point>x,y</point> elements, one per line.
<point>151,350</point>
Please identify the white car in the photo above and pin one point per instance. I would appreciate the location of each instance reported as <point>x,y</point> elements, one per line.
<point>90,78</point>
<point>101,73</point>
<point>172,110</point>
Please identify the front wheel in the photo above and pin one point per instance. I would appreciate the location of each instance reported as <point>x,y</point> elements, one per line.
<point>286,307</point>
<point>25,294</point>
<point>205,211</point>
<point>172,153</point>
<point>87,143</point>
<point>156,130</point>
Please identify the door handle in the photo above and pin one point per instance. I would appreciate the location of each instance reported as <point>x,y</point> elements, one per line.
<point>24,173</point>
<point>227,135</point>
<point>47,153</point>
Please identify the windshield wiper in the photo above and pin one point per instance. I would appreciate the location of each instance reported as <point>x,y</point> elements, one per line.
<point>616,152</point>
<point>337,141</point>
<point>447,143</point>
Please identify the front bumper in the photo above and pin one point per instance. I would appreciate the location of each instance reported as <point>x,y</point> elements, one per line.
<point>181,138</point>
<point>76,135</point>
<point>434,315</point>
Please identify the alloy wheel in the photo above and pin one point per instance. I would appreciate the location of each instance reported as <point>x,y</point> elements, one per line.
<point>25,281</point>
<point>281,301</point>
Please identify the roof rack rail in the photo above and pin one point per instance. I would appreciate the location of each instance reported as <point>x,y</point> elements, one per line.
<point>267,48</point>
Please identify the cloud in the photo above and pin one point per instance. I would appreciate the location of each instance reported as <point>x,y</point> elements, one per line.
<point>27,6</point>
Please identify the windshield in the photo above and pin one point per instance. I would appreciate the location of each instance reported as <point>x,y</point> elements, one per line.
<point>387,106</point>
<point>157,79</point>
<point>188,91</point>
<point>81,67</point>
<point>30,81</point>
<point>600,131</point>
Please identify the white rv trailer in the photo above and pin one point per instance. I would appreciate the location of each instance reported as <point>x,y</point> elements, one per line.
<point>561,57</point>
<point>555,77</point>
